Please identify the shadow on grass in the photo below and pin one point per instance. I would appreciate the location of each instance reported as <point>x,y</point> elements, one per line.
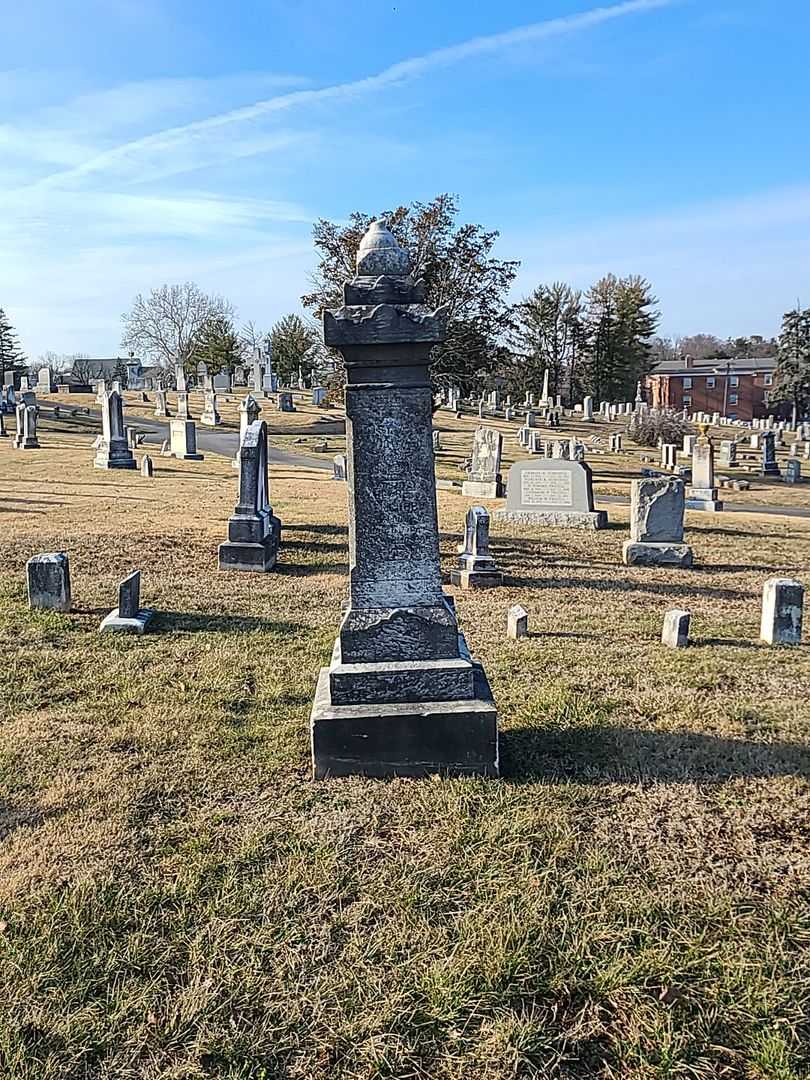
<point>601,755</point>
<point>329,530</point>
<point>194,622</point>
<point>627,586</point>
<point>303,569</point>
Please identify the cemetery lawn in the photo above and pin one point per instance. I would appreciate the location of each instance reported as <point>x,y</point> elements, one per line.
<point>178,900</point>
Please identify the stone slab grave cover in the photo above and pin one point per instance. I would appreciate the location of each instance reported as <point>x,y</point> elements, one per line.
<point>656,524</point>
<point>552,492</point>
<point>183,440</point>
<point>254,532</point>
<point>476,568</point>
<point>485,480</point>
<point>49,581</point>
<point>402,696</point>
<point>129,617</point>
<point>113,453</point>
<point>782,604</point>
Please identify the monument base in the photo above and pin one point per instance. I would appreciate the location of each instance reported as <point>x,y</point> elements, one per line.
<point>476,579</point>
<point>115,623</point>
<point>25,444</point>
<point>638,553</point>
<point>563,519</point>
<point>481,489</point>
<point>459,738</point>
<point>257,558</point>
<point>186,457</point>
<point>116,461</point>
<point>702,499</point>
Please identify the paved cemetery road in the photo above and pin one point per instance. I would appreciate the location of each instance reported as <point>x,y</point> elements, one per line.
<point>733,508</point>
<point>223,442</point>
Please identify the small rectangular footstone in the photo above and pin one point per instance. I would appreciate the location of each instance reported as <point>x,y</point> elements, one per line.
<point>675,631</point>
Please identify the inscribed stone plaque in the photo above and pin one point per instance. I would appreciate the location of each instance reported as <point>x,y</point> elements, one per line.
<point>545,487</point>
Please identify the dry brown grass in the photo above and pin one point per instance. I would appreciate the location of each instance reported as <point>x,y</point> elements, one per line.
<point>178,899</point>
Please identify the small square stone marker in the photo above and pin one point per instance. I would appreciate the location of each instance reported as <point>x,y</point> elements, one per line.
<point>49,581</point>
<point>675,631</point>
<point>782,603</point>
<point>517,622</point>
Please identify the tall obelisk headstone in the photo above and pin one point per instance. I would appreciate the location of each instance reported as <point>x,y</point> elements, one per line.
<point>402,695</point>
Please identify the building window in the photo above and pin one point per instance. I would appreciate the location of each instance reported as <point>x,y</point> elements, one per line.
<point>732,399</point>
<point>768,380</point>
<point>711,382</point>
<point>687,384</point>
<point>734,380</point>
<point>687,399</point>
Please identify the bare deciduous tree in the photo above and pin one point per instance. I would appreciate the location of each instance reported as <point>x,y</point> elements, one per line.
<point>165,326</point>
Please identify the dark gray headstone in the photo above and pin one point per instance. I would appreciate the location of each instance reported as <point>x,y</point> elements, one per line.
<point>129,595</point>
<point>49,581</point>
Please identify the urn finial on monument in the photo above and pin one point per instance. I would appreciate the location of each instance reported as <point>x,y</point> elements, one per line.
<point>379,253</point>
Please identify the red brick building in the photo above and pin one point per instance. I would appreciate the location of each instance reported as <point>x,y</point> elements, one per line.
<point>737,389</point>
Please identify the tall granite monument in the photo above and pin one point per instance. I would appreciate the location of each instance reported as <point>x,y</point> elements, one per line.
<point>401,697</point>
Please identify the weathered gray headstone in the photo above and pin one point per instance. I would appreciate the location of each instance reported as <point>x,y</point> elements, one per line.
<point>656,524</point>
<point>485,480</point>
<point>551,493</point>
<point>285,402</point>
<point>616,443</point>
<point>318,395</point>
<point>437,442</point>
<point>675,629</point>
<point>147,466</point>
<point>769,465</point>
<point>161,406</point>
<point>253,531</point>
<point>114,453</point>
<point>183,409</point>
<point>782,603</point>
<point>49,581</point>
<point>401,696</point>
<point>183,436</point>
<point>210,416</point>
<point>476,568</point>
<point>26,435</point>
<point>339,467</point>
<point>793,471</point>
<point>517,622</point>
<point>129,617</point>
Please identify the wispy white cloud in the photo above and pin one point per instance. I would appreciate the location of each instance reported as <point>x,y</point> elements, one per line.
<point>726,266</point>
<point>218,130</point>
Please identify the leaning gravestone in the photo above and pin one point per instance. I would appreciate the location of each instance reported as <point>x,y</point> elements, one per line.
<point>113,453</point>
<point>551,493</point>
<point>129,617</point>
<point>253,532</point>
<point>49,581</point>
<point>476,568</point>
<point>485,480</point>
<point>401,695</point>
<point>656,524</point>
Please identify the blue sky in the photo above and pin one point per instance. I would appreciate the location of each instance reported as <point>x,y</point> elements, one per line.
<point>146,141</point>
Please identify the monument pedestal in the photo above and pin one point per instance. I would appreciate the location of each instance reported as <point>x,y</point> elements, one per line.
<point>120,624</point>
<point>258,555</point>
<point>458,737</point>
<point>483,489</point>
<point>702,499</point>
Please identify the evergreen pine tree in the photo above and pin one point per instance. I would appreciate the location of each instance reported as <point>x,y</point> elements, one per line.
<point>12,357</point>
<point>792,376</point>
